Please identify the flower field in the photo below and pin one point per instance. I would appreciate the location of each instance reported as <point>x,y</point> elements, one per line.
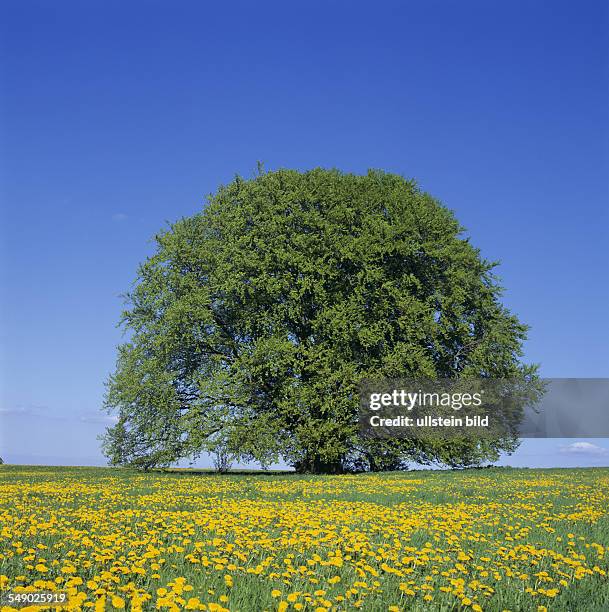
<point>493,539</point>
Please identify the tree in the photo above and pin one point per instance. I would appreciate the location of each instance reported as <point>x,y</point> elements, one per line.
<point>222,457</point>
<point>257,317</point>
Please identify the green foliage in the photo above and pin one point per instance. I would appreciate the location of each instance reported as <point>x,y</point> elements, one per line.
<point>256,319</point>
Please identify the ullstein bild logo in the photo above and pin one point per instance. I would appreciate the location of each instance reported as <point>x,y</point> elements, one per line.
<point>540,408</point>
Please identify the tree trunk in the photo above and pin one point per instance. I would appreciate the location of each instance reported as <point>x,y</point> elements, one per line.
<point>316,465</point>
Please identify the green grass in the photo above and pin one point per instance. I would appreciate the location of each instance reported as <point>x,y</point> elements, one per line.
<point>476,537</point>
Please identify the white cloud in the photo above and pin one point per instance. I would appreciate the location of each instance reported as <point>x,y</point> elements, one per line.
<point>118,217</point>
<point>99,417</point>
<point>584,448</point>
<point>24,409</point>
<point>15,411</point>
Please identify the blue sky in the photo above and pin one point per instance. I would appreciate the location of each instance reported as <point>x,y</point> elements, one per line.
<point>118,117</point>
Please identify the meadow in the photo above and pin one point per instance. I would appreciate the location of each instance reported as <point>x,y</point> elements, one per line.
<point>491,539</point>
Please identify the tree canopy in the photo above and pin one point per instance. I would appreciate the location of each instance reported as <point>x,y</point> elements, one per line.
<point>254,321</point>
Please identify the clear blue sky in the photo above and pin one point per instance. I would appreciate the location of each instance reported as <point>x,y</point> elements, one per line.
<point>119,116</point>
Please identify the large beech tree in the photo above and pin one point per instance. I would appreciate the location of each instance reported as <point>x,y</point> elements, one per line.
<point>254,321</point>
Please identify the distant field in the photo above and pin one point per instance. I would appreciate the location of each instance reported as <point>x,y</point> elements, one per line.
<point>494,539</point>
